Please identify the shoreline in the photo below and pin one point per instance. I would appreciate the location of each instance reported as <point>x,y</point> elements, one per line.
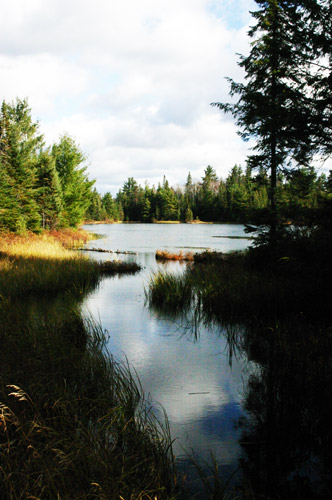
<point>90,223</point>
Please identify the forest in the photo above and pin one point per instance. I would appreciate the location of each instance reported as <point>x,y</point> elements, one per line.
<point>240,198</point>
<point>41,187</point>
<point>47,187</point>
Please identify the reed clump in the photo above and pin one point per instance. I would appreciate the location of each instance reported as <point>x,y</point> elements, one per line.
<point>165,255</point>
<point>168,291</point>
<point>111,267</point>
<point>234,288</point>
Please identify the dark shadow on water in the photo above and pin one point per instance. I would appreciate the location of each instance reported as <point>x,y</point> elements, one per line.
<point>286,435</point>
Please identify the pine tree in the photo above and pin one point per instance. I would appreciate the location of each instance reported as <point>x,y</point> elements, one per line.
<point>49,193</point>
<point>273,106</point>
<point>20,145</point>
<point>76,187</point>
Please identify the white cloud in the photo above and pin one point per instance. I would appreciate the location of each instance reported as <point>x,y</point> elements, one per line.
<point>130,81</point>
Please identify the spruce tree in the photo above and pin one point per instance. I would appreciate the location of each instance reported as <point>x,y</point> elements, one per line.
<point>49,193</point>
<point>75,185</point>
<point>274,106</point>
<point>20,145</point>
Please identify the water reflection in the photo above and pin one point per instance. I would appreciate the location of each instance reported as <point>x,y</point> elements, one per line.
<point>199,380</point>
<point>193,381</point>
<point>288,436</point>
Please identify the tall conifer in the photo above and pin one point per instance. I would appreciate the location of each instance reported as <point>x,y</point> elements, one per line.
<point>274,106</point>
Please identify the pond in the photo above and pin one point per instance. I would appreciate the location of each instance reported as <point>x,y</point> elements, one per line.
<point>190,377</point>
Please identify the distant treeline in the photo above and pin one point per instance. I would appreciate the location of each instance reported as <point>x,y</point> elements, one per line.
<point>44,187</point>
<point>240,197</point>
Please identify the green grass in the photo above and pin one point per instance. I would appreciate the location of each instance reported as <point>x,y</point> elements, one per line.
<point>244,287</point>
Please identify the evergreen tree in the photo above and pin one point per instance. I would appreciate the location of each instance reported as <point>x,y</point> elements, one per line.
<point>96,210</point>
<point>49,193</point>
<point>273,106</point>
<point>110,207</point>
<point>20,145</point>
<point>208,194</point>
<point>76,187</point>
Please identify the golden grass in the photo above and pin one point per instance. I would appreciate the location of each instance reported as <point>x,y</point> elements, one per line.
<point>167,222</point>
<point>165,255</point>
<point>51,245</point>
<point>44,264</point>
<point>43,247</point>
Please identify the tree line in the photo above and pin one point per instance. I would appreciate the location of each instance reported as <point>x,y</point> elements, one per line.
<point>47,187</point>
<point>241,197</point>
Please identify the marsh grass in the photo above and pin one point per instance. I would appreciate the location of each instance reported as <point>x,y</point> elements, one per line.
<point>169,291</point>
<point>165,255</point>
<point>111,267</point>
<point>74,423</point>
<point>44,264</point>
<point>234,288</point>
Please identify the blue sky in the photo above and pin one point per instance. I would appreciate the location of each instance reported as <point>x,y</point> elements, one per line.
<point>130,81</point>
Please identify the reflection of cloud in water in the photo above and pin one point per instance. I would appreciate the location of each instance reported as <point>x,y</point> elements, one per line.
<point>173,369</point>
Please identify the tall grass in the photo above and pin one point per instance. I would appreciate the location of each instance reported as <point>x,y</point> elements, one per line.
<point>165,255</point>
<point>236,289</point>
<point>74,423</point>
<point>43,264</point>
<point>169,291</point>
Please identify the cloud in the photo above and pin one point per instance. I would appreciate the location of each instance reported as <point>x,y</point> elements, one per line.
<point>132,82</point>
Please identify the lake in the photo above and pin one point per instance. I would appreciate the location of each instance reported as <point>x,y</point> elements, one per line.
<point>190,376</point>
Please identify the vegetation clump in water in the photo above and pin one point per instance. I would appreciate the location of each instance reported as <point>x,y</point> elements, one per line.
<point>274,307</point>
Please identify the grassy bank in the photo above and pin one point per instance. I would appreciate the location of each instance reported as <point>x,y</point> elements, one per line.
<point>73,421</point>
<point>249,286</point>
<point>46,264</point>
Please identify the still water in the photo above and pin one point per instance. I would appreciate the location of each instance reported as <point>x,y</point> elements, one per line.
<point>191,378</point>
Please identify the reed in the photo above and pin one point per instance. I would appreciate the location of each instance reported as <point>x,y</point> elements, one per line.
<point>168,291</point>
<point>230,289</point>
<point>39,264</point>
<point>111,267</point>
<point>73,420</point>
<point>165,255</point>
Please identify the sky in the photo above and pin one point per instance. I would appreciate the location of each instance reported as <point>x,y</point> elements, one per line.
<point>130,81</point>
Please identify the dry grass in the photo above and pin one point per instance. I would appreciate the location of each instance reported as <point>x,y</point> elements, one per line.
<point>71,238</point>
<point>35,264</point>
<point>43,246</point>
<point>165,255</point>
<point>166,222</point>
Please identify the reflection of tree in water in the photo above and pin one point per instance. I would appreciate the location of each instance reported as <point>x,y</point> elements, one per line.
<point>287,435</point>
<point>288,438</point>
